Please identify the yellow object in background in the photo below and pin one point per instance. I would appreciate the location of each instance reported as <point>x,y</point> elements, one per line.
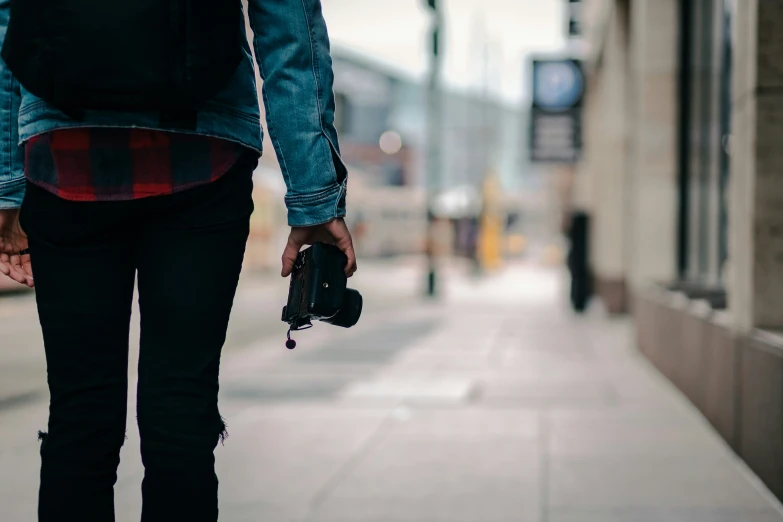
<point>491,225</point>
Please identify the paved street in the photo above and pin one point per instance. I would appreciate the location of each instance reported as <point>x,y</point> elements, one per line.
<point>494,404</point>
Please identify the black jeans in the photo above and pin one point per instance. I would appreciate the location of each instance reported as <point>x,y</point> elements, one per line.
<point>187,249</point>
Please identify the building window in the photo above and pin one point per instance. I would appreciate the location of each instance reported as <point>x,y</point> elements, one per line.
<point>342,114</point>
<point>725,130</point>
<point>705,125</point>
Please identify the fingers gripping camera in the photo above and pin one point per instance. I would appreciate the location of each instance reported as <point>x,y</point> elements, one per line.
<point>319,291</point>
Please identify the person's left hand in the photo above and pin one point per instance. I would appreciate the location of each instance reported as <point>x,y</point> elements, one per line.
<point>13,241</point>
<point>334,232</point>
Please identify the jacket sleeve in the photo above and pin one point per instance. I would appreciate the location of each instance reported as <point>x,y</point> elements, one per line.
<point>292,49</point>
<point>11,153</point>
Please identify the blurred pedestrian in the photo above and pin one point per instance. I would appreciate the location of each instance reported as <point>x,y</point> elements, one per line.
<point>578,261</point>
<point>137,129</point>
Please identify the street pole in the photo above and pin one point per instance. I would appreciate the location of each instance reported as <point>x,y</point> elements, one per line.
<point>434,136</point>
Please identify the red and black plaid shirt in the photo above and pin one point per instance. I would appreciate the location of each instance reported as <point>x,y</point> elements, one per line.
<point>107,164</point>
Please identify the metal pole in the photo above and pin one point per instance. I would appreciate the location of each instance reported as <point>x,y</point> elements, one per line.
<point>434,136</point>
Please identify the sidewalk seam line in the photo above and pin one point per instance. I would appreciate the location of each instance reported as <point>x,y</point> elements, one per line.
<point>544,463</point>
<point>349,466</point>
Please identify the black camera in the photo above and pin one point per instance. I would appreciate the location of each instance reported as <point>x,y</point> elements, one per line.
<point>319,291</point>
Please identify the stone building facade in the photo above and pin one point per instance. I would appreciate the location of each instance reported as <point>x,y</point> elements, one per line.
<point>683,179</point>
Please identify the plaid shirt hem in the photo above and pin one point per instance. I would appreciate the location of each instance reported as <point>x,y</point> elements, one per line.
<point>119,164</point>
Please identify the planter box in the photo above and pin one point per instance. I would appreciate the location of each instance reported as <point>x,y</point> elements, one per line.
<point>762,408</point>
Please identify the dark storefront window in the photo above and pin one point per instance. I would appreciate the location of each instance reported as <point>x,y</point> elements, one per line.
<point>705,115</point>
<point>725,125</point>
<point>703,146</point>
<point>684,118</point>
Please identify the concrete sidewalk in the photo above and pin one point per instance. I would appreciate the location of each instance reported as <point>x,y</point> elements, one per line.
<point>493,405</point>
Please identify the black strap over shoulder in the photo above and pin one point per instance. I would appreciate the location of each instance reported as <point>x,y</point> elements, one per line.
<point>140,55</point>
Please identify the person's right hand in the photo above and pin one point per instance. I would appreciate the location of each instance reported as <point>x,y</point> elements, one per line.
<point>13,241</point>
<point>334,232</point>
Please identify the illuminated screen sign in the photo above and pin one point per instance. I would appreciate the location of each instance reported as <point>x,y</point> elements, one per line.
<point>556,115</point>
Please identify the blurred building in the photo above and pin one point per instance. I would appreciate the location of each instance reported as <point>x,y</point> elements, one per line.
<point>683,179</point>
<point>381,119</point>
<point>376,119</point>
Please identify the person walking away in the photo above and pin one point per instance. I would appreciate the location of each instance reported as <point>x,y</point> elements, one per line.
<point>130,132</point>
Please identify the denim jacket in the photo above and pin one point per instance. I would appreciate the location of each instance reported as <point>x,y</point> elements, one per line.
<point>292,50</point>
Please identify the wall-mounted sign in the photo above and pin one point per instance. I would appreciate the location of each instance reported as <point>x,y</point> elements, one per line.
<point>556,115</point>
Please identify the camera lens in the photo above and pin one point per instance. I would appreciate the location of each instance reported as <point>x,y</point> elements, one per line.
<point>350,312</point>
